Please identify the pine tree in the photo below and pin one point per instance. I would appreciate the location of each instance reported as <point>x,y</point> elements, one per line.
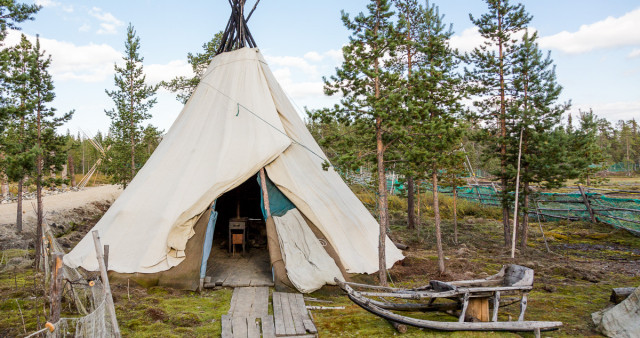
<point>133,98</point>
<point>433,103</point>
<point>184,86</point>
<point>49,145</point>
<point>588,158</point>
<point>492,65</point>
<point>12,13</point>
<point>17,143</point>
<point>371,95</point>
<point>534,114</point>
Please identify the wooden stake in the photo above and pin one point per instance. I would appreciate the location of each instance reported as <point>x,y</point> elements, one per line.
<point>106,257</point>
<point>265,194</point>
<point>105,283</point>
<point>515,211</point>
<point>56,288</point>
<point>585,199</point>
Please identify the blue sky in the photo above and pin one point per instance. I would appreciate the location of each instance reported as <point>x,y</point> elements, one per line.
<point>595,45</point>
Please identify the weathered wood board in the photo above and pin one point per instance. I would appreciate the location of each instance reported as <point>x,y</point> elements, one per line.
<point>291,316</point>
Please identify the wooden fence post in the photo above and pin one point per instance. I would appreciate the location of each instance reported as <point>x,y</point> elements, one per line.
<point>585,199</point>
<point>56,288</point>
<point>106,257</point>
<point>105,283</point>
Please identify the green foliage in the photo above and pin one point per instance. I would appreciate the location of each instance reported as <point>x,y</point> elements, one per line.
<point>12,12</point>
<point>132,98</point>
<point>184,86</point>
<point>17,142</point>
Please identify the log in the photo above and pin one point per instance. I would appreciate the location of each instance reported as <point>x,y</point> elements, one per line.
<point>401,246</point>
<point>620,294</point>
<point>56,288</point>
<point>401,328</point>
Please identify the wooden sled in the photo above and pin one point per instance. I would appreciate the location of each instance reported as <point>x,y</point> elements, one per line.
<point>511,280</point>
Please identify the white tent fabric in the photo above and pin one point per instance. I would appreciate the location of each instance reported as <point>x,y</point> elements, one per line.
<point>237,121</point>
<point>308,265</point>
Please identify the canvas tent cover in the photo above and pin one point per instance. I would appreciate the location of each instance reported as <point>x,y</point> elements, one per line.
<point>237,121</point>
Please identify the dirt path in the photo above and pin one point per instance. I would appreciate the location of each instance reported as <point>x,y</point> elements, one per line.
<point>61,211</point>
<point>60,202</point>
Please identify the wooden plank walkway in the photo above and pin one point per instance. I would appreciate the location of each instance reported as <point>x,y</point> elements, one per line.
<point>248,315</point>
<point>291,316</point>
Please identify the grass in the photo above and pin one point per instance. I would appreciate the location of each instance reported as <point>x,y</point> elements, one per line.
<point>588,260</point>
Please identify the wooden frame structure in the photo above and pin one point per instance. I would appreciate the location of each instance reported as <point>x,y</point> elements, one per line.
<point>237,35</point>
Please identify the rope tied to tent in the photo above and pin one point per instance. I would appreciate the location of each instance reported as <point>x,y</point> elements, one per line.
<point>294,141</point>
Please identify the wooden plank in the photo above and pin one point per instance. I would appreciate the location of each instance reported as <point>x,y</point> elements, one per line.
<point>268,329</point>
<point>234,299</point>
<point>310,326</point>
<point>253,330</point>
<point>277,314</point>
<point>244,303</point>
<point>306,319</point>
<point>225,321</point>
<point>261,308</point>
<point>286,314</point>
<point>479,308</point>
<point>239,327</point>
<point>297,313</point>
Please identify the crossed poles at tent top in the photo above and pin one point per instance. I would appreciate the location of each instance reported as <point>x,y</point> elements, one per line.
<point>237,34</point>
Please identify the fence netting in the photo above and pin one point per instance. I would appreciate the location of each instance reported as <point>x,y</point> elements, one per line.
<point>619,212</point>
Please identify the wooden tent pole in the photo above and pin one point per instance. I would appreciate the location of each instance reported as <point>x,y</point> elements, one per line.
<point>265,194</point>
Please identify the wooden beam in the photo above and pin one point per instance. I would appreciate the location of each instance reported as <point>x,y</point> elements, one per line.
<point>585,199</point>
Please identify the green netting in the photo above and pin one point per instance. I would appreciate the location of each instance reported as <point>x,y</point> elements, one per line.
<point>618,212</point>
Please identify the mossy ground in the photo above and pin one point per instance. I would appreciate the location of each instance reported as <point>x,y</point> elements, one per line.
<point>586,262</point>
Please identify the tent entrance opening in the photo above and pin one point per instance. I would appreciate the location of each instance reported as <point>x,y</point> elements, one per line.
<point>240,221</point>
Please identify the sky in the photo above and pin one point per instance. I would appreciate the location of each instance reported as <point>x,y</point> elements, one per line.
<point>595,46</point>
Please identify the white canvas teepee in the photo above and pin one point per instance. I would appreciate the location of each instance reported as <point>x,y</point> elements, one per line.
<point>237,121</point>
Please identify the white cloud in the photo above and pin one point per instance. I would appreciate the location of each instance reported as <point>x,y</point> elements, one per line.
<point>86,63</point>
<point>84,28</point>
<point>608,33</point>
<point>52,3</point>
<point>293,61</point>
<point>613,111</point>
<point>163,72</point>
<point>634,53</point>
<point>47,3</point>
<point>108,23</point>
<point>469,39</point>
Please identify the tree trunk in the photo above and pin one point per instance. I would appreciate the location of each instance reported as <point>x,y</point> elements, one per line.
<point>455,214</point>
<point>503,137</point>
<point>72,171</point>
<point>436,216</point>
<point>382,204</point>
<point>4,185</point>
<point>411,224</point>
<point>39,164</point>
<point>19,207</point>
<point>524,229</point>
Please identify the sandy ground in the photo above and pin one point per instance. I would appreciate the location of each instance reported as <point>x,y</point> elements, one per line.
<point>60,202</point>
<point>73,206</point>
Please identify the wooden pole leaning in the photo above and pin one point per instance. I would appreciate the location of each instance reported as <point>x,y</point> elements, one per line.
<point>105,283</point>
<point>585,199</point>
<point>56,288</point>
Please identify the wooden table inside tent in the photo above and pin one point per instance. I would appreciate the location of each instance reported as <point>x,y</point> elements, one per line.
<point>238,232</point>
